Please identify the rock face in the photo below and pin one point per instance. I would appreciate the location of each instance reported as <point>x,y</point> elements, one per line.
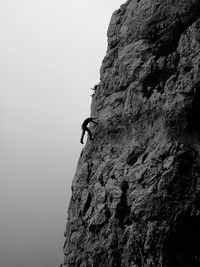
<point>136,192</point>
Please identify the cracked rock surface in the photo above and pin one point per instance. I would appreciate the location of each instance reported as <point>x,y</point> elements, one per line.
<point>136,192</point>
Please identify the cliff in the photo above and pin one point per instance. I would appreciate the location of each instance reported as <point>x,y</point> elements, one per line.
<point>136,192</point>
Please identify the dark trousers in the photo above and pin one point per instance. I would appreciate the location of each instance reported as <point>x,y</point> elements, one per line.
<point>84,129</point>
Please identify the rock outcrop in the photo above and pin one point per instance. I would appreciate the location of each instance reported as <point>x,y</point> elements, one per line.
<point>136,192</point>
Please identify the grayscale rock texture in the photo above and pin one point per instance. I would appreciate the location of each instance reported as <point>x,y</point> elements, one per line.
<point>136,192</point>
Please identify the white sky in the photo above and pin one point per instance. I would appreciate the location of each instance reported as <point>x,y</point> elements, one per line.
<point>51,52</point>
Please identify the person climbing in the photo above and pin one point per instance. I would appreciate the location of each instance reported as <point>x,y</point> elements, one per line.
<point>85,128</point>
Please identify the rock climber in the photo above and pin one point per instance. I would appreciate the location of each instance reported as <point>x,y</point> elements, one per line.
<point>85,128</point>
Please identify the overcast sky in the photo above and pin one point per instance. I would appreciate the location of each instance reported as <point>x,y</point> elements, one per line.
<point>51,52</point>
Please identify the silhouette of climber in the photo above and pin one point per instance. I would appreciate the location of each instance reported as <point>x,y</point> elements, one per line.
<point>85,128</point>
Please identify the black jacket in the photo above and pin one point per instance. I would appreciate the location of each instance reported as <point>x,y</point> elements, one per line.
<point>87,121</point>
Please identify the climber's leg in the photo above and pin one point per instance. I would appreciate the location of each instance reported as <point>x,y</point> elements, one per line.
<point>82,136</point>
<point>89,132</point>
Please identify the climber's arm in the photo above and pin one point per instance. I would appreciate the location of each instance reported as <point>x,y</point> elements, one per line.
<point>94,121</point>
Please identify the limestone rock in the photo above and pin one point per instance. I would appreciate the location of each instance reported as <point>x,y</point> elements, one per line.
<point>136,192</point>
